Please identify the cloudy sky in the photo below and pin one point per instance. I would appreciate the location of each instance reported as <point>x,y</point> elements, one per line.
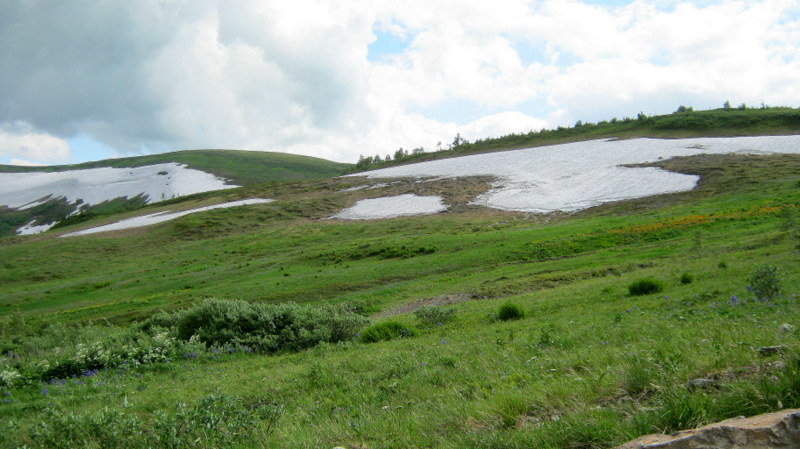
<point>91,79</point>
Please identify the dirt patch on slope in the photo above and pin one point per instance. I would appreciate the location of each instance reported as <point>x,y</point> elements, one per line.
<point>442,300</point>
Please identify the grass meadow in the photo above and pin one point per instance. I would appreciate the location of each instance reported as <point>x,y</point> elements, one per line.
<point>95,351</point>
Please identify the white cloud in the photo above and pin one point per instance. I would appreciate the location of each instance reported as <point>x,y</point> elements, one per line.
<point>24,163</point>
<point>19,139</point>
<point>294,76</point>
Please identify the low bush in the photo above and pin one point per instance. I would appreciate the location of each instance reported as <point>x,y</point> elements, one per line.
<point>510,311</point>
<point>387,330</point>
<point>645,287</point>
<point>686,278</point>
<point>765,281</point>
<point>137,349</point>
<point>435,315</point>
<point>261,327</point>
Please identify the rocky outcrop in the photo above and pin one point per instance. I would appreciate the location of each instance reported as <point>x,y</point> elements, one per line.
<point>768,431</point>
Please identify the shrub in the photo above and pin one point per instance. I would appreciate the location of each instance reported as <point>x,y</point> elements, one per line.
<point>262,327</point>
<point>686,278</point>
<point>765,281</point>
<point>435,315</point>
<point>130,350</point>
<point>645,287</point>
<point>9,377</point>
<point>722,264</point>
<point>510,311</point>
<point>387,330</point>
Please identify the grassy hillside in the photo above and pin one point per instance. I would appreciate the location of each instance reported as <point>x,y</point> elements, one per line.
<point>730,122</point>
<point>88,362</point>
<point>240,167</point>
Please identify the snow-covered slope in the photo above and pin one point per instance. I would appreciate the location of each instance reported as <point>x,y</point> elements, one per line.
<point>579,175</point>
<point>95,185</point>
<point>393,206</point>
<point>159,217</point>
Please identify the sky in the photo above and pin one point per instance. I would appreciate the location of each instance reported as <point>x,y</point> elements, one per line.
<point>92,79</point>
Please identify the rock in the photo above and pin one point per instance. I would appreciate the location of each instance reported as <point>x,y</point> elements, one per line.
<point>701,383</point>
<point>786,328</point>
<point>778,364</point>
<point>770,350</point>
<point>768,431</point>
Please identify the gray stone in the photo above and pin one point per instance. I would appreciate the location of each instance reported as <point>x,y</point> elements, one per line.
<point>786,328</point>
<point>769,431</point>
<point>701,383</point>
<point>770,350</point>
<point>778,364</point>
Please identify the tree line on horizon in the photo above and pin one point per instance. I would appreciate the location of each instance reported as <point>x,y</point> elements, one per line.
<point>460,144</point>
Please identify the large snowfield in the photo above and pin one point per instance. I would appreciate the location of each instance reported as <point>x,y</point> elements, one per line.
<point>96,185</point>
<point>159,217</point>
<point>580,175</point>
<point>392,206</point>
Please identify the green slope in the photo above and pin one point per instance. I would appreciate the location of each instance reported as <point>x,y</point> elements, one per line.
<point>240,167</point>
<point>589,365</point>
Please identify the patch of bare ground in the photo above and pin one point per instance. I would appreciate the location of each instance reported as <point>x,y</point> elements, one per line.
<point>442,300</point>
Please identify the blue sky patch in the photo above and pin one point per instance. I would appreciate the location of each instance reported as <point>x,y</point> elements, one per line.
<point>84,148</point>
<point>530,53</point>
<point>386,44</point>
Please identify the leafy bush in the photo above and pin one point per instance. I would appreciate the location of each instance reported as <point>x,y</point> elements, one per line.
<point>9,377</point>
<point>387,330</point>
<point>645,287</point>
<point>765,281</point>
<point>261,327</point>
<point>435,315</point>
<point>510,311</point>
<point>139,349</point>
<point>686,278</point>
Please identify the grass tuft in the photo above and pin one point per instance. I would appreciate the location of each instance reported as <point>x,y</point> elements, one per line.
<point>386,330</point>
<point>645,286</point>
<point>510,311</point>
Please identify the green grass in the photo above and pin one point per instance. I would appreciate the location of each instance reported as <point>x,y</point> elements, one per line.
<point>587,366</point>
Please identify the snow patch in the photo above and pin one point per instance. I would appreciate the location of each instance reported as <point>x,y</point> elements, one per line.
<point>159,217</point>
<point>96,185</point>
<point>365,186</point>
<point>30,228</point>
<point>575,176</point>
<point>393,206</point>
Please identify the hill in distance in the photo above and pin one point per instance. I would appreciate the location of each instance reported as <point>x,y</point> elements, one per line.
<point>268,325</point>
<point>48,206</point>
<point>239,167</point>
